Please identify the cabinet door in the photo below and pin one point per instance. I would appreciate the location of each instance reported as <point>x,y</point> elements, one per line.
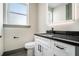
<point>42,47</point>
<point>46,51</point>
<point>63,49</point>
<point>46,47</point>
<point>38,50</point>
<point>1,28</point>
<point>38,47</point>
<point>52,47</point>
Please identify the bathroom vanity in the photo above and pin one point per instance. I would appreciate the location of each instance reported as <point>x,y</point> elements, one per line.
<point>57,44</point>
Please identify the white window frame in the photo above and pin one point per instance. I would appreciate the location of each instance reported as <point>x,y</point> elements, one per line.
<point>6,15</point>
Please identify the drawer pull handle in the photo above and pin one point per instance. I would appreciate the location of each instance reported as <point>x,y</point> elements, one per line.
<point>60,47</point>
<point>39,48</point>
<point>15,37</point>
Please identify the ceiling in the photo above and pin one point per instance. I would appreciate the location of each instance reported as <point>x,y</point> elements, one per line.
<point>53,5</point>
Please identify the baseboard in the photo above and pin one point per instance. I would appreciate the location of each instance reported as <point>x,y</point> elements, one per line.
<point>13,51</point>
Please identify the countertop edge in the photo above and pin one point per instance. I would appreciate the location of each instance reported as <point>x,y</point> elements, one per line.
<point>61,40</point>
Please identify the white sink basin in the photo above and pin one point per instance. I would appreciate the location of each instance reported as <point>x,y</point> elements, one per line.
<point>48,35</point>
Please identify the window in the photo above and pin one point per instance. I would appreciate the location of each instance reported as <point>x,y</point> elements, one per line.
<point>50,16</point>
<point>17,14</point>
<point>69,11</point>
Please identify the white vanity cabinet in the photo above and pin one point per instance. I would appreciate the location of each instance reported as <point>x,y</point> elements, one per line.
<point>48,47</point>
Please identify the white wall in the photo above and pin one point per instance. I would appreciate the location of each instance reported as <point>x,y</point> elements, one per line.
<point>25,34</point>
<point>42,17</point>
<point>59,14</point>
<point>1,28</point>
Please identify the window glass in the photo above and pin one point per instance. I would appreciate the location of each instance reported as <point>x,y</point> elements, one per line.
<point>16,14</point>
<point>17,8</point>
<point>69,11</point>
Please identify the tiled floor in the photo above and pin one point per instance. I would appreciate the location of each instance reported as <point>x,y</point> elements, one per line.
<point>20,52</point>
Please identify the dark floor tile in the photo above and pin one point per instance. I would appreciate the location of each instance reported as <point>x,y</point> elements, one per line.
<point>17,52</point>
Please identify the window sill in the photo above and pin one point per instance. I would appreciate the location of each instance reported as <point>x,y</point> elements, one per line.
<point>16,26</point>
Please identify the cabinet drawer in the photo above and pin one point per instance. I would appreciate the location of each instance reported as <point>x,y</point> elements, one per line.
<point>42,40</point>
<point>64,49</point>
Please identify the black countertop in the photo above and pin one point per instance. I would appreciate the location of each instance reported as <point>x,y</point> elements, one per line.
<point>70,39</point>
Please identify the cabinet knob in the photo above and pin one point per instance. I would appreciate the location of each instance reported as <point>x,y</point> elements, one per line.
<point>15,37</point>
<point>0,36</point>
<point>54,55</point>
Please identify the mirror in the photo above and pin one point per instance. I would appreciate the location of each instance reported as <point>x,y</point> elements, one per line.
<point>59,12</point>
